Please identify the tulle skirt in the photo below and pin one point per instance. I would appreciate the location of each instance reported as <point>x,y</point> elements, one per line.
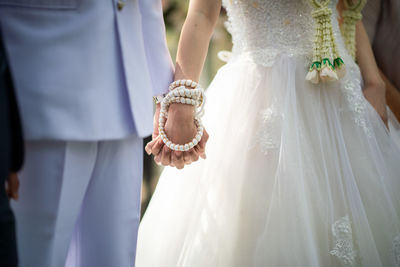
<point>296,175</point>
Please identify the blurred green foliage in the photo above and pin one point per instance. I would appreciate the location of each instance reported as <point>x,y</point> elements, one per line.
<point>174,16</point>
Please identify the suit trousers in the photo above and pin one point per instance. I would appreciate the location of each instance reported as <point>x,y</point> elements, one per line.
<point>79,203</point>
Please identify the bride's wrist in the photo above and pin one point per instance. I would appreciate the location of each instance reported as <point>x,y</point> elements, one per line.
<point>181,112</point>
<point>376,84</point>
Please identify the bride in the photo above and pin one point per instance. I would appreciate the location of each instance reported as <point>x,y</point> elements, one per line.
<point>301,168</point>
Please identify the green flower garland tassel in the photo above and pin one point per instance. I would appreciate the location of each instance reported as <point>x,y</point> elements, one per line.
<point>340,68</point>
<point>328,73</point>
<point>325,54</point>
<point>351,16</point>
<point>313,73</point>
<point>327,69</point>
<point>338,62</point>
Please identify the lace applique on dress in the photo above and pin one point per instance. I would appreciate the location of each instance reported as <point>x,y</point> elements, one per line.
<point>396,250</point>
<point>344,247</point>
<point>351,87</point>
<point>357,102</point>
<point>269,135</point>
<point>262,30</point>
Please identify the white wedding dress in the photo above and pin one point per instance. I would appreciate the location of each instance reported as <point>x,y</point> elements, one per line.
<point>297,174</point>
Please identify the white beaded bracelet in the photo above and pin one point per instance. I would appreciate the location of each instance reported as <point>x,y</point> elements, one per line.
<point>180,94</point>
<point>185,83</point>
<point>197,94</point>
<point>185,147</point>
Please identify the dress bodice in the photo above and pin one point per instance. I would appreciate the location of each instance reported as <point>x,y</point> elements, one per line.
<point>266,28</point>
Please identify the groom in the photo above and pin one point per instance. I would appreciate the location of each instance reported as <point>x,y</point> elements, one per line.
<point>85,72</point>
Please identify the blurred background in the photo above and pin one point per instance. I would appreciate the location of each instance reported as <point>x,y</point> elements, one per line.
<point>174,16</point>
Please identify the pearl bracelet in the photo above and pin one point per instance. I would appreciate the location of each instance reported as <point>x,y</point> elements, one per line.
<point>180,94</point>
<point>196,94</point>
<point>185,147</point>
<point>185,83</point>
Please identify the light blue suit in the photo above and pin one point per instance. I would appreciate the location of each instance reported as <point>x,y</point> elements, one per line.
<point>83,69</point>
<point>85,72</point>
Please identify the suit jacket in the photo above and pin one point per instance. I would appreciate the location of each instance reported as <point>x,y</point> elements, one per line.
<point>86,69</point>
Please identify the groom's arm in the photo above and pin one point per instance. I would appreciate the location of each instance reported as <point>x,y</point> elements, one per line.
<point>158,57</point>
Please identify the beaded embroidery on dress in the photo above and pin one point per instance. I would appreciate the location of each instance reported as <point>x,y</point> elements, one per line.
<point>297,174</point>
<point>344,247</point>
<point>259,29</point>
<point>396,250</point>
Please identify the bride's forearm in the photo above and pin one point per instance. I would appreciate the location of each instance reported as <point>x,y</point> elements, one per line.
<point>374,88</point>
<point>366,59</point>
<point>195,37</point>
<point>193,46</point>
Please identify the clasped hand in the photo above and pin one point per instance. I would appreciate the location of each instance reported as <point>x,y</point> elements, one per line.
<point>180,128</point>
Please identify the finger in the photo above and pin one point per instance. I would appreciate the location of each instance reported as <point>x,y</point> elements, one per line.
<point>154,135</point>
<point>157,147</point>
<point>157,159</point>
<point>178,160</point>
<point>172,164</point>
<point>197,150</point>
<point>149,146</point>
<point>201,147</point>
<point>193,155</point>
<point>166,156</point>
<point>187,158</point>
<point>173,159</point>
<point>13,186</point>
<point>8,190</point>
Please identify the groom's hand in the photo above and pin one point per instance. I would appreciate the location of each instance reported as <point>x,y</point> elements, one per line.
<point>180,128</point>
<point>155,145</point>
<point>12,186</point>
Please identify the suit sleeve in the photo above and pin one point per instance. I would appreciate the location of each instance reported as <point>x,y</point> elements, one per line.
<point>158,57</point>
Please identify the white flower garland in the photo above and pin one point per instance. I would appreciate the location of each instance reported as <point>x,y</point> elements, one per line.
<point>327,65</point>
<point>351,16</point>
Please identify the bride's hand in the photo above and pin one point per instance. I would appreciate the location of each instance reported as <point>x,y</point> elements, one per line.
<point>375,93</point>
<point>182,116</point>
<point>180,128</point>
